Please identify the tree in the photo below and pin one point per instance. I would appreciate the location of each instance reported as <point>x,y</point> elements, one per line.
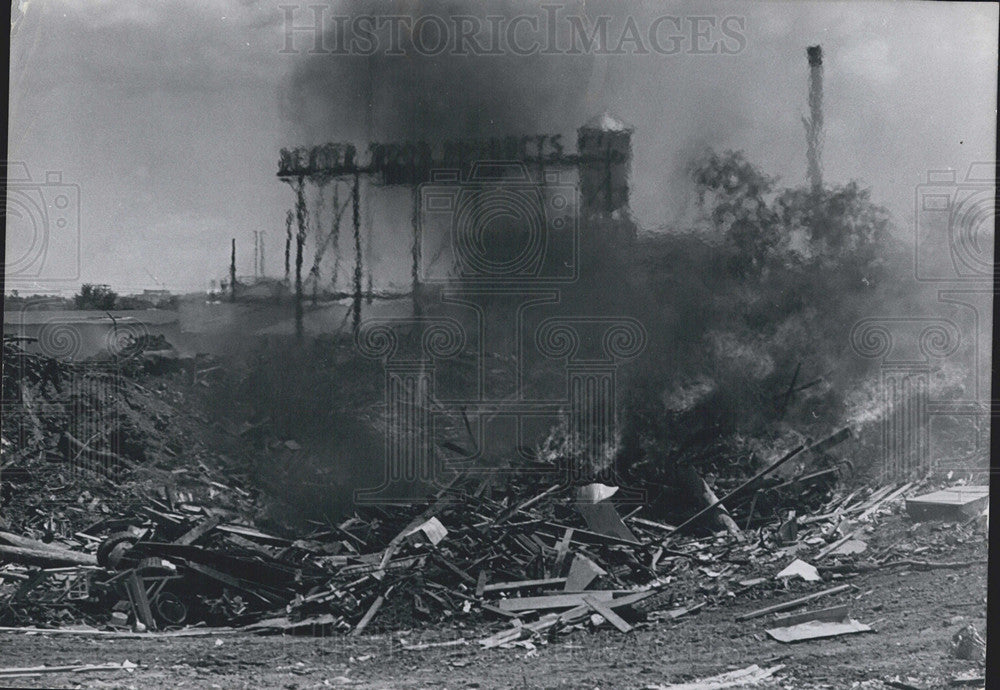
<point>734,192</point>
<point>93,296</point>
<point>845,231</point>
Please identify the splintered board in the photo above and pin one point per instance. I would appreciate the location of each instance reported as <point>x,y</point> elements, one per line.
<point>552,601</point>
<point>956,503</point>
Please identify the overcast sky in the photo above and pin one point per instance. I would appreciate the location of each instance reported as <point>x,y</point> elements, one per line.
<point>169,115</point>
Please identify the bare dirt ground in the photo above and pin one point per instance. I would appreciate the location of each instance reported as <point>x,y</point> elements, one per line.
<point>913,613</point>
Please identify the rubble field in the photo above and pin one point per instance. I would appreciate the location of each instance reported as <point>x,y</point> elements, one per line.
<point>914,615</point>
<point>134,553</point>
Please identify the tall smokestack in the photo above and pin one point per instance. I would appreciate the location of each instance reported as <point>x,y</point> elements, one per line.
<point>814,125</point>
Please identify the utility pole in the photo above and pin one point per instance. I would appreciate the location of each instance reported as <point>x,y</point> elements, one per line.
<point>356,218</point>
<point>232,273</point>
<point>300,239</point>
<point>288,243</point>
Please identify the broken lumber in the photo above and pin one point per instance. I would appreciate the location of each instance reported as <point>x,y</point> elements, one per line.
<point>771,468</point>
<point>741,678</point>
<point>79,668</point>
<point>792,604</point>
<point>199,530</point>
<point>369,614</point>
<point>104,455</point>
<point>136,590</point>
<point>610,616</point>
<point>522,584</point>
<point>552,601</point>
<point>46,558</point>
<point>865,567</point>
<point>876,505</point>
<point>834,613</point>
<point>719,512</point>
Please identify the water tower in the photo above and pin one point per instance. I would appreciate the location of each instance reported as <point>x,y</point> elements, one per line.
<point>604,147</point>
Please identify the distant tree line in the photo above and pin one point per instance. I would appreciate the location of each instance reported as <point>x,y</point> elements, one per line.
<point>92,296</point>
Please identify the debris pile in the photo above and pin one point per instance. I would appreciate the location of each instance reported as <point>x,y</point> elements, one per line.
<point>164,538</point>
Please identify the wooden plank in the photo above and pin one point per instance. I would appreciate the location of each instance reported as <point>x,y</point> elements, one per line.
<point>44,557</point>
<point>527,504</point>
<point>119,634</point>
<point>481,583</point>
<point>552,601</point>
<point>455,569</point>
<point>234,582</point>
<point>501,612</point>
<point>792,604</point>
<point>522,584</point>
<point>630,599</point>
<point>870,501</point>
<point>609,615</point>
<point>81,668</point>
<point>595,536</point>
<point>251,533</point>
<point>742,678</point>
<point>561,550</point>
<point>650,523</point>
<point>875,506</point>
<point>834,613</point>
<point>140,602</point>
<point>369,614</point>
<point>26,543</point>
<point>827,550</point>
<point>673,614</point>
<point>199,530</point>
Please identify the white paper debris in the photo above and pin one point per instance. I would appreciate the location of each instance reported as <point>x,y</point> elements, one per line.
<point>801,569</point>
